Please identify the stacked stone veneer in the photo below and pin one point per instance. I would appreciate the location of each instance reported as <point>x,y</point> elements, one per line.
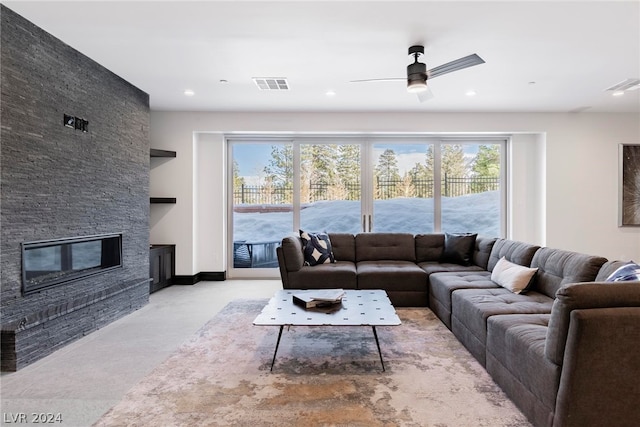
<point>59,182</point>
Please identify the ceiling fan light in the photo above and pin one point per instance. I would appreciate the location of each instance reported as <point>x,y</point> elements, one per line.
<point>415,86</point>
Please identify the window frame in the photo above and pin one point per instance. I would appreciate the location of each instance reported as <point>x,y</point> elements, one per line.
<point>366,142</point>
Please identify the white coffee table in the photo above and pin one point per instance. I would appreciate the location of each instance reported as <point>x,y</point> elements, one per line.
<point>359,308</point>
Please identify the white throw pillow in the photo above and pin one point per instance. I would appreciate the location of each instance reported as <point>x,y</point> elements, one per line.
<point>512,276</point>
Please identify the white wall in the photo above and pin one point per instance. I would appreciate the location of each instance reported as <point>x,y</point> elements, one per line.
<point>563,174</point>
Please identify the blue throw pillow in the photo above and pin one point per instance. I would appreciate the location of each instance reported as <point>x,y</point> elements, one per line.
<point>628,272</point>
<point>316,248</point>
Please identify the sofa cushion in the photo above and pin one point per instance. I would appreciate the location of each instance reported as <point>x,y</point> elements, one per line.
<point>442,285</point>
<point>316,248</point>
<point>385,246</point>
<point>458,248</point>
<point>431,267</point>
<point>514,251</point>
<point>512,276</point>
<point>557,267</point>
<point>340,274</point>
<point>344,246</point>
<point>482,252</point>
<point>625,273</point>
<point>391,276</point>
<point>516,344</point>
<point>429,247</point>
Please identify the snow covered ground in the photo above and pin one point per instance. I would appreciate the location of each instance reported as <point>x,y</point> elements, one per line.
<point>477,213</point>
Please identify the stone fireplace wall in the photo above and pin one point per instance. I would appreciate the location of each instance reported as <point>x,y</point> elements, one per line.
<point>60,182</point>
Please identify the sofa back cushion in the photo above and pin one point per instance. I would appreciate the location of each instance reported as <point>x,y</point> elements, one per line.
<point>513,251</point>
<point>429,247</point>
<point>557,267</point>
<point>344,246</point>
<point>385,246</point>
<point>607,269</point>
<point>484,246</point>
<point>579,296</point>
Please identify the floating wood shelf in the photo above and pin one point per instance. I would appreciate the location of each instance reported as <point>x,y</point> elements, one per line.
<point>162,200</point>
<point>162,153</point>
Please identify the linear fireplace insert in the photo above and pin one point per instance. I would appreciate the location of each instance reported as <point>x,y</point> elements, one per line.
<point>48,263</point>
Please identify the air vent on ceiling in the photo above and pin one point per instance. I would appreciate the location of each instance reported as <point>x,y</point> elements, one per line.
<point>271,83</point>
<point>628,84</point>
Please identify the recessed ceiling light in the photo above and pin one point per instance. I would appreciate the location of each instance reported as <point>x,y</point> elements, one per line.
<point>189,92</point>
<point>330,93</point>
<point>471,93</point>
<point>224,81</point>
<point>618,93</point>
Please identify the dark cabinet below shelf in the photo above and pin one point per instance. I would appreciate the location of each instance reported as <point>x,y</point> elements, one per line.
<point>162,266</point>
<point>161,153</point>
<point>162,200</point>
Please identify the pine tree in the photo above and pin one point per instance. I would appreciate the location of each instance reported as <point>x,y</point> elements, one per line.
<point>318,168</point>
<point>453,163</point>
<point>487,162</point>
<point>387,167</point>
<point>485,167</point>
<point>280,168</point>
<point>453,171</point>
<point>387,173</point>
<point>348,169</point>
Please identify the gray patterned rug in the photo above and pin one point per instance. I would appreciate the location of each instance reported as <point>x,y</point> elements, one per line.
<point>323,376</point>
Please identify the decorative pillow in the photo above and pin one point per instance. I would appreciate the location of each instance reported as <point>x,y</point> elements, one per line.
<point>458,248</point>
<point>316,248</point>
<point>628,272</point>
<point>512,276</point>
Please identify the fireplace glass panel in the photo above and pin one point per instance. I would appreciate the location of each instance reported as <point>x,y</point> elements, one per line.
<point>48,263</point>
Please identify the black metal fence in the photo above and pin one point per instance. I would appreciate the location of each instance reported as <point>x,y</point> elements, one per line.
<point>387,189</point>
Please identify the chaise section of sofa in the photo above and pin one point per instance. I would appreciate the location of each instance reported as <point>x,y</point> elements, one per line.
<point>472,307</point>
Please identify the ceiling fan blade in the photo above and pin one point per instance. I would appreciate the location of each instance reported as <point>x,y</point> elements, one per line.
<point>425,95</point>
<point>458,64</point>
<point>389,79</point>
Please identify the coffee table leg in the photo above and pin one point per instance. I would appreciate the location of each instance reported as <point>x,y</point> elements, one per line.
<point>375,334</point>
<point>278,344</point>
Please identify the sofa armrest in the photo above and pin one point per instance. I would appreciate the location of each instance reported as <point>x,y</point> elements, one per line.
<point>599,381</point>
<point>584,296</point>
<point>292,255</point>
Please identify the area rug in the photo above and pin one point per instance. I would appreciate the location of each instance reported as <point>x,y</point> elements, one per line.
<point>323,376</point>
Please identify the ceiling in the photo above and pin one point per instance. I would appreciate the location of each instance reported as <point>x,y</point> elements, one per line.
<point>541,56</point>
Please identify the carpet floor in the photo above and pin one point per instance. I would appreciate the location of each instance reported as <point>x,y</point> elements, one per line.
<point>323,376</point>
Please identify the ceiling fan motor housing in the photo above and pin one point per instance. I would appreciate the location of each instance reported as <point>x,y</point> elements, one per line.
<point>417,71</point>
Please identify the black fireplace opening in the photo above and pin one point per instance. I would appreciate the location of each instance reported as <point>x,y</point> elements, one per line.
<point>48,263</point>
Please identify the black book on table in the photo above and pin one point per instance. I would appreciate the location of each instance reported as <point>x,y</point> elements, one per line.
<point>313,299</point>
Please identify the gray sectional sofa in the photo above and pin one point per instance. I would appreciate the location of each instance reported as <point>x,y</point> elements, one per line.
<point>566,351</point>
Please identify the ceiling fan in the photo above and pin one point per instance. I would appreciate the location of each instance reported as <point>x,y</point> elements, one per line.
<point>417,73</point>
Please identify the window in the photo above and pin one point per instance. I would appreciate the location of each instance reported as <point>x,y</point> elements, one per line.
<point>415,184</point>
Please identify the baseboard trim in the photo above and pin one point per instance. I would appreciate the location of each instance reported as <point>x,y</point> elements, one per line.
<point>215,276</point>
